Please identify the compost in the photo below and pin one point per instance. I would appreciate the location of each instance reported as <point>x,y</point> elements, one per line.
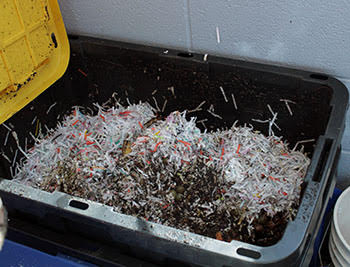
<point>233,184</point>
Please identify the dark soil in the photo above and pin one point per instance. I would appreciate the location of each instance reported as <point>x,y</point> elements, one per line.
<point>225,223</point>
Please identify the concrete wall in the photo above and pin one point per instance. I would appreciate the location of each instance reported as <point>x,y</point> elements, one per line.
<point>313,34</point>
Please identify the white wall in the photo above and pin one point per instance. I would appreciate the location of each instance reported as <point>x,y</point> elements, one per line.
<point>312,34</point>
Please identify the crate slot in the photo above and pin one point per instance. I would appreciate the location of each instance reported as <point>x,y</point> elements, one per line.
<point>54,40</point>
<point>78,205</point>
<point>308,241</point>
<point>331,177</point>
<point>73,37</point>
<point>319,76</point>
<point>248,253</point>
<point>322,160</point>
<point>184,54</point>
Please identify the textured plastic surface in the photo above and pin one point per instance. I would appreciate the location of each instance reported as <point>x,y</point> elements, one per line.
<point>98,68</point>
<point>34,51</point>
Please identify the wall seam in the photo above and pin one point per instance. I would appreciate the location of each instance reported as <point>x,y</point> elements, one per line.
<point>188,25</point>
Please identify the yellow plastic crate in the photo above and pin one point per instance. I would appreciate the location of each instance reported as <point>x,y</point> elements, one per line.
<point>34,51</point>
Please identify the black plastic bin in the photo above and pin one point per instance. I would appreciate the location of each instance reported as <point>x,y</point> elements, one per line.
<point>99,67</point>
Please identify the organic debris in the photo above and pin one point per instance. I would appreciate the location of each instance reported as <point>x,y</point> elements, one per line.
<point>228,184</point>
